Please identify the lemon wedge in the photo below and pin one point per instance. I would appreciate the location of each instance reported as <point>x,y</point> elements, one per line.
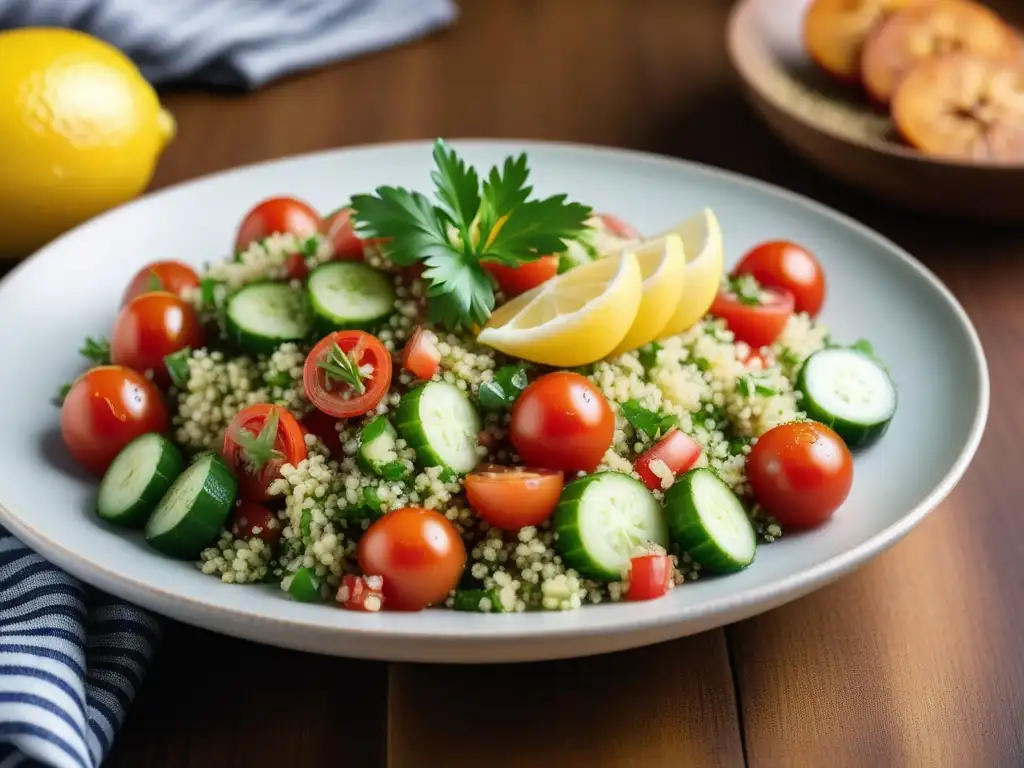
<point>702,243</point>
<point>573,319</point>
<point>663,268</point>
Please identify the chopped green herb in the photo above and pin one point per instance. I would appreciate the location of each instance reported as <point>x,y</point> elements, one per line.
<point>470,600</point>
<point>279,379</point>
<point>749,384</point>
<point>737,444</point>
<point>305,520</point>
<point>372,502</point>
<point>62,393</point>
<point>789,358</point>
<point>305,586</point>
<point>177,366</point>
<point>746,289</point>
<point>863,345</point>
<point>257,450</point>
<point>341,367</point>
<point>702,364</point>
<point>501,392</point>
<point>651,423</point>
<point>97,350</point>
<point>648,355</point>
<point>153,281</point>
<point>211,292</point>
<point>310,246</point>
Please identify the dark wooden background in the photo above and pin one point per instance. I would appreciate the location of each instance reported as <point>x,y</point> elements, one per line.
<point>916,659</point>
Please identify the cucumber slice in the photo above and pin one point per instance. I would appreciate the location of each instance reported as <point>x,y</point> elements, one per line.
<point>263,316</point>
<point>441,425</point>
<point>378,450</point>
<point>709,522</point>
<point>137,480</point>
<point>602,520</point>
<point>849,391</point>
<point>349,294</point>
<point>191,514</point>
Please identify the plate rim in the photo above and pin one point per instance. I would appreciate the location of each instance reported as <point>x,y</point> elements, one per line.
<point>777,591</point>
<point>742,13</point>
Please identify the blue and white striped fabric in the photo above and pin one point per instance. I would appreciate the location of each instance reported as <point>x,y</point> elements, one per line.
<point>71,661</point>
<point>236,43</point>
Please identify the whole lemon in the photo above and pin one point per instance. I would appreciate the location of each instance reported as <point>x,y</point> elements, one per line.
<point>80,132</point>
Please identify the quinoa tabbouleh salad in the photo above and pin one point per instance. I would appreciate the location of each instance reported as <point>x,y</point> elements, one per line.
<point>480,400</point>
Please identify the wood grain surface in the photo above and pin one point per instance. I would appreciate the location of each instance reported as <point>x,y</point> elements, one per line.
<point>914,660</point>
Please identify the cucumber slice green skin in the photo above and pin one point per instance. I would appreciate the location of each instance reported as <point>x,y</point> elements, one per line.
<point>855,434</point>
<point>570,520</point>
<point>197,527</point>
<point>261,343</point>
<point>409,421</point>
<point>365,280</point>
<point>689,506</point>
<point>169,465</point>
<point>377,437</point>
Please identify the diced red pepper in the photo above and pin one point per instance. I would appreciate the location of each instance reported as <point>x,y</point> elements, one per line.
<point>421,357</point>
<point>650,577</point>
<point>361,593</point>
<point>677,450</point>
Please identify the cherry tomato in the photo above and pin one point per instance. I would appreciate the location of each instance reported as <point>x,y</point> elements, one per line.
<point>256,449</point>
<point>295,267</point>
<point>800,472</point>
<point>336,395</point>
<point>516,280</point>
<point>361,593</point>
<point>420,357</point>
<point>325,427</point>
<point>418,552</point>
<point>618,227</point>
<point>756,324</point>
<point>107,408</point>
<point>251,518</point>
<point>562,421</point>
<point>149,328</point>
<point>650,577</point>
<point>513,498</point>
<point>277,215</point>
<point>677,450</point>
<point>785,265</point>
<point>173,276</point>
<point>339,228</point>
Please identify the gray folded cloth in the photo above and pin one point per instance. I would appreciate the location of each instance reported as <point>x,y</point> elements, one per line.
<point>235,43</point>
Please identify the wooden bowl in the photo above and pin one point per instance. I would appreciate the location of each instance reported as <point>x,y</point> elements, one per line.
<point>834,128</point>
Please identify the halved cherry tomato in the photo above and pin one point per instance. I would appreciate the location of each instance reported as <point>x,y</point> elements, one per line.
<point>257,443</point>
<point>251,518</point>
<point>295,267</point>
<point>339,229</point>
<point>325,427</point>
<point>516,280</point>
<point>173,276</point>
<point>277,215</point>
<point>618,227</point>
<point>149,328</point>
<point>800,472</point>
<point>650,577</point>
<point>781,264</point>
<point>756,324</point>
<point>420,357</point>
<point>418,552</point>
<point>334,394</point>
<point>107,408</point>
<point>562,421</point>
<point>511,497</point>
<point>361,593</point>
<point>677,450</point>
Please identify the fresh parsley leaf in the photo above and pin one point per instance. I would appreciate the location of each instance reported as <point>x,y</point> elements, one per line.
<point>651,423</point>
<point>62,393</point>
<point>648,355</point>
<point>469,600</point>
<point>501,392</point>
<point>310,246</point>
<point>737,444</point>
<point>458,188</point>
<point>536,228</point>
<point>460,291</point>
<point>96,350</point>
<point>342,368</point>
<point>746,288</point>
<point>503,191</point>
<point>407,218</point>
<point>177,366</point>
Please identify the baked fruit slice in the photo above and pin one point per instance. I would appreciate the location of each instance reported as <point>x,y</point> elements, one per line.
<point>963,106</point>
<point>835,31</point>
<point>914,34</point>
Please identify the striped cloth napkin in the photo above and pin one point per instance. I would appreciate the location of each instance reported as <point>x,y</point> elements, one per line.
<point>235,43</point>
<point>71,661</point>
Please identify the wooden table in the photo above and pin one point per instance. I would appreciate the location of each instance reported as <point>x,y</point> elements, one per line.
<point>914,660</point>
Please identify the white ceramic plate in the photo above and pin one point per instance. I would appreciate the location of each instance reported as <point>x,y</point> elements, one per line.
<point>877,291</point>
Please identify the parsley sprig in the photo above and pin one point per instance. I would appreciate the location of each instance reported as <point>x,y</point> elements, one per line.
<point>257,450</point>
<point>338,366</point>
<point>472,221</point>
